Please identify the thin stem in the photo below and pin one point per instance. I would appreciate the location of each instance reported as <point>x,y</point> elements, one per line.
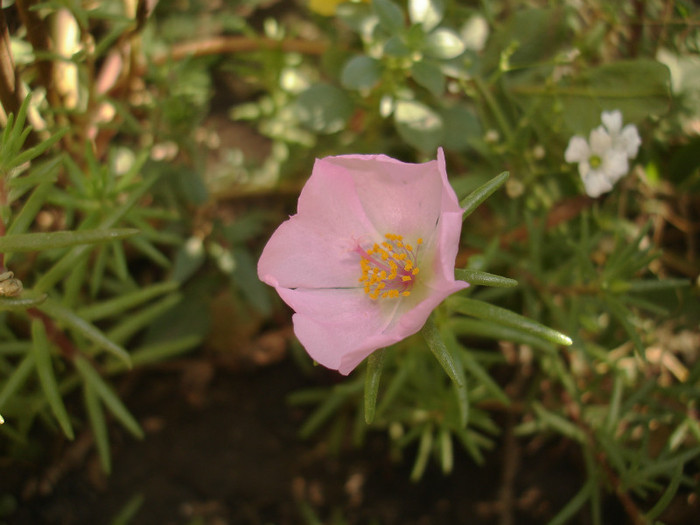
<point>236,44</point>
<point>494,107</point>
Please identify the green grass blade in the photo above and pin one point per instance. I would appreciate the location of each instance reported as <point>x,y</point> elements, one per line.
<point>483,192</point>
<point>375,363</point>
<point>668,495</point>
<point>325,410</point>
<point>121,304</point>
<point>65,264</point>
<point>40,148</point>
<point>448,357</point>
<point>475,368</point>
<point>484,278</point>
<point>425,446</point>
<point>17,379</point>
<point>98,424</point>
<point>89,331</point>
<point>625,316</point>
<point>482,310</point>
<point>28,299</point>
<point>141,319</point>
<point>571,508</point>
<point>24,218</point>
<point>129,511</point>
<point>487,329</point>
<point>47,378</point>
<point>133,198</point>
<point>155,352</point>
<point>34,242</point>
<point>147,248</point>
<point>108,396</point>
<point>446,450</point>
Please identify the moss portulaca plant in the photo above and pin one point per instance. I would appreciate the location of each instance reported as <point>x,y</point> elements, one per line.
<point>368,256</point>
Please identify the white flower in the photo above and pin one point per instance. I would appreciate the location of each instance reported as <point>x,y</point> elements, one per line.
<point>603,159</point>
<point>599,163</point>
<point>627,138</point>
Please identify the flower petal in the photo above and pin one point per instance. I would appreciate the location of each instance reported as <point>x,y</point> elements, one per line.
<point>577,150</point>
<point>600,141</point>
<point>630,141</point>
<point>314,248</point>
<point>398,197</point>
<point>596,183</point>
<point>340,328</point>
<point>612,120</point>
<point>614,165</point>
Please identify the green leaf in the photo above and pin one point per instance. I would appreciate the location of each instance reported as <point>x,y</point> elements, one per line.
<point>482,310</point>
<point>462,128</point>
<point>127,513</point>
<point>121,304</point>
<point>28,299</point>
<point>17,379</point>
<point>324,108</point>
<point>483,192</point>
<point>333,401</point>
<point>32,242</point>
<point>111,400</point>
<point>429,76</point>
<point>143,318</point>
<point>68,261</point>
<point>558,423</point>
<point>625,316</point>
<point>48,172</point>
<point>448,357</point>
<point>425,446</point>
<point>47,377</point>
<point>566,514</point>
<point>445,448</point>
<point>40,148</point>
<point>649,285</point>
<point>638,88</point>
<point>484,278</point>
<point>668,495</point>
<point>397,47</point>
<point>428,13</point>
<point>361,72</point>
<point>14,135</point>
<point>146,247</point>
<point>390,15</point>
<point>528,36</point>
<point>488,329</point>
<point>475,368</point>
<point>163,350</point>
<point>418,125</point>
<point>443,44</point>
<point>375,363</point>
<point>89,331</point>
<point>98,424</point>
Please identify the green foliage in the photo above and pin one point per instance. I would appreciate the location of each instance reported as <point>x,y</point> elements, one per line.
<point>74,306</point>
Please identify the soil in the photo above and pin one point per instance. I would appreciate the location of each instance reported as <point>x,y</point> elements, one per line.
<point>224,449</point>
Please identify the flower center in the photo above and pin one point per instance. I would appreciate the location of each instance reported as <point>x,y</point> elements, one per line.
<point>389,269</point>
<point>595,161</point>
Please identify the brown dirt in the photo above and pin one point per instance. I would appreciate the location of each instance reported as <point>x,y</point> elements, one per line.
<point>225,450</point>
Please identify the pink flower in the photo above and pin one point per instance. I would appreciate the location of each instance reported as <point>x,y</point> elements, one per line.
<point>368,256</point>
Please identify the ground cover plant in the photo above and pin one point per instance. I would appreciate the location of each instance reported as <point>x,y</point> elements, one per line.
<point>478,222</point>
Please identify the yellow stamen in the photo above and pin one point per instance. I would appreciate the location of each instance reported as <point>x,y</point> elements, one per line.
<point>388,269</point>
